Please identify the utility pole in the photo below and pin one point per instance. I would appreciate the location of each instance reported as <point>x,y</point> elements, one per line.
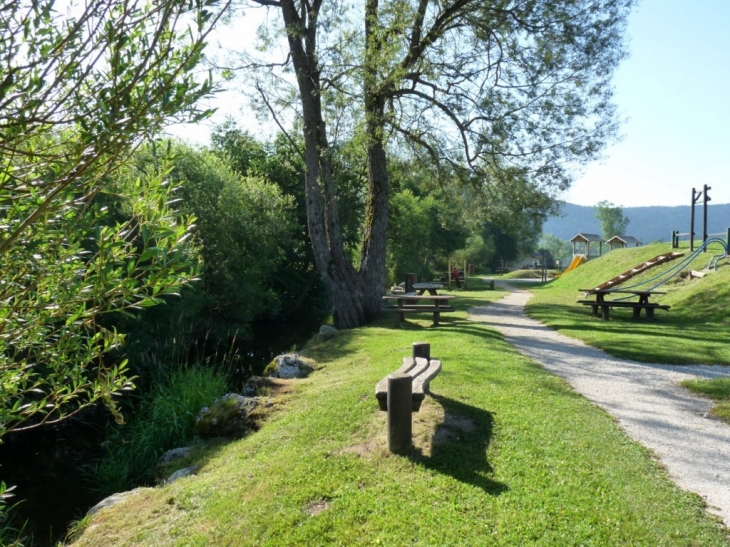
<point>704,213</point>
<point>695,198</point>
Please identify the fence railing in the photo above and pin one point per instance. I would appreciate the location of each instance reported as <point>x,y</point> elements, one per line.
<point>678,238</point>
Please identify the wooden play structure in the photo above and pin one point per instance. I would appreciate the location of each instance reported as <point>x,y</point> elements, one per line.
<point>622,242</point>
<point>582,245</point>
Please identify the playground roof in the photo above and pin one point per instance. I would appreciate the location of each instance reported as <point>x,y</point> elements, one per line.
<point>586,238</point>
<point>626,240</point>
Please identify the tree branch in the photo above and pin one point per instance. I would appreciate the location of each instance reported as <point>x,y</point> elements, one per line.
<point>281,127</point>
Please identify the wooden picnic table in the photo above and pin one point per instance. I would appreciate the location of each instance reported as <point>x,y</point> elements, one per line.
<point>605,305</point>
<point>432,288</point>
<point>408,303</point>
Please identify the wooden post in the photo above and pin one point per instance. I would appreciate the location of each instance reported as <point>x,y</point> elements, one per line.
<point>399,413</point>
<point>692,222</point>
<point>705,200</point>
<point>422,349</point>
<point>466,275</point>
<point>544,266</point>
<point>410,280</point>
<point>449,274</point>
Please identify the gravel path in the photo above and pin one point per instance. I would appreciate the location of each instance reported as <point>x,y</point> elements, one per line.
<point>644,398</point>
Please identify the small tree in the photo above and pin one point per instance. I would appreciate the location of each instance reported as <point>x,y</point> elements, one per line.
<point>558,248</point>
<point>79,91</point>
<point>612,219</point>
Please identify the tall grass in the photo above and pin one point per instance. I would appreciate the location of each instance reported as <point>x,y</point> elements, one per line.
<point>10,536</point>
<point>165,420</point>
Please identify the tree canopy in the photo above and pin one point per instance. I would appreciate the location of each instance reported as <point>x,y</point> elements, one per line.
<point>488,88</point>
<point>612,219</point>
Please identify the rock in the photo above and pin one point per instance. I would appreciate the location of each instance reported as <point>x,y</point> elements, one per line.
<point>327,332</point>
<point>180,473</point>
<point>227,417</point>
<point>112,500</point>
<point>174,454</point>
<point>289,365</point>
<point>254,384</point>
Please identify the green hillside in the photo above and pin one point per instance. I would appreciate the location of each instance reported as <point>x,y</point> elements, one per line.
<point>505,455</point>
<point>695,330</point>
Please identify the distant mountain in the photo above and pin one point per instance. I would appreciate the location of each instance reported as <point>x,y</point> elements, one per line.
<point>647,224</point>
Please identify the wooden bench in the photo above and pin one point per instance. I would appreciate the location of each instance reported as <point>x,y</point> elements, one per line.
<point>421,370</point>
<point>401,393</point>
<point>636,306</point>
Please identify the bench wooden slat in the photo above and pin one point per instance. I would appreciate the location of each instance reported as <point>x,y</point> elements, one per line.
<point>422,371</point>
<point>419,307</point>
<point>623,304</point>
<point>413,296</point>
<point>636,306</point>
<point>421,383</point>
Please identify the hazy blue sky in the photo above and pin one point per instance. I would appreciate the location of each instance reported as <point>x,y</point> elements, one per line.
<point>673,93</point>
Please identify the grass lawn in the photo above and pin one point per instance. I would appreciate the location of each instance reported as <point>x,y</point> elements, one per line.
<point>524,274</point>
<point>505,454</point>
<point>695,330</point>
<point>717,389</point>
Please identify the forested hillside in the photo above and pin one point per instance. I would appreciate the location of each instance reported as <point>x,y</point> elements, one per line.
<point>647,224</point>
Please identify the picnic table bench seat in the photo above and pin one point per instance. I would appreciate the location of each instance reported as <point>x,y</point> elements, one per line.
<point>421,370</point>
<point>605,306</point>
<point>643,303</point>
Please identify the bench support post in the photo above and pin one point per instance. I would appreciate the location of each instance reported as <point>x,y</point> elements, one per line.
<point>399,413</point>
<point>422,349</point>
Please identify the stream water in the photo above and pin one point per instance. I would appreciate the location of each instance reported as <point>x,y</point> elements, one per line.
<point>46,466</point>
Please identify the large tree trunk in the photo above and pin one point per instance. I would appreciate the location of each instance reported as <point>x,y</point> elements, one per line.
<point>372,260</point>
<point>345,287</point>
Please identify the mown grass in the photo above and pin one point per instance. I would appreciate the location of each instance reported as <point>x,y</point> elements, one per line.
<point>505,454</point>
<point>695,330</point>
<point>525,274</point>
<point>717,389</point>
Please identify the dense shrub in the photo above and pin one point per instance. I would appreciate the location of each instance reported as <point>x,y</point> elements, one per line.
<point>244,231</point>
<point>422,233</point>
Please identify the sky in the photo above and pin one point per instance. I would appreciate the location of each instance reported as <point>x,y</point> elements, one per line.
<point>672,93</point>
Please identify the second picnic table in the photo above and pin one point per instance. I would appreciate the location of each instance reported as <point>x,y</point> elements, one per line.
<point>605,305</point>
<point>432,288</point>
<point>408,303</point>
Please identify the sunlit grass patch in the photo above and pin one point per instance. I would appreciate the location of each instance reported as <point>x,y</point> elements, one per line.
<point>717,389</point>
<point>694,330</point>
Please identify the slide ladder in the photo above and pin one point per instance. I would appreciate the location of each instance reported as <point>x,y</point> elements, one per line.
<point>628,274</point>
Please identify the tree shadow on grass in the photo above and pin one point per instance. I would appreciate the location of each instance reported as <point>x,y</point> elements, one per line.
<point>459,446</point>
